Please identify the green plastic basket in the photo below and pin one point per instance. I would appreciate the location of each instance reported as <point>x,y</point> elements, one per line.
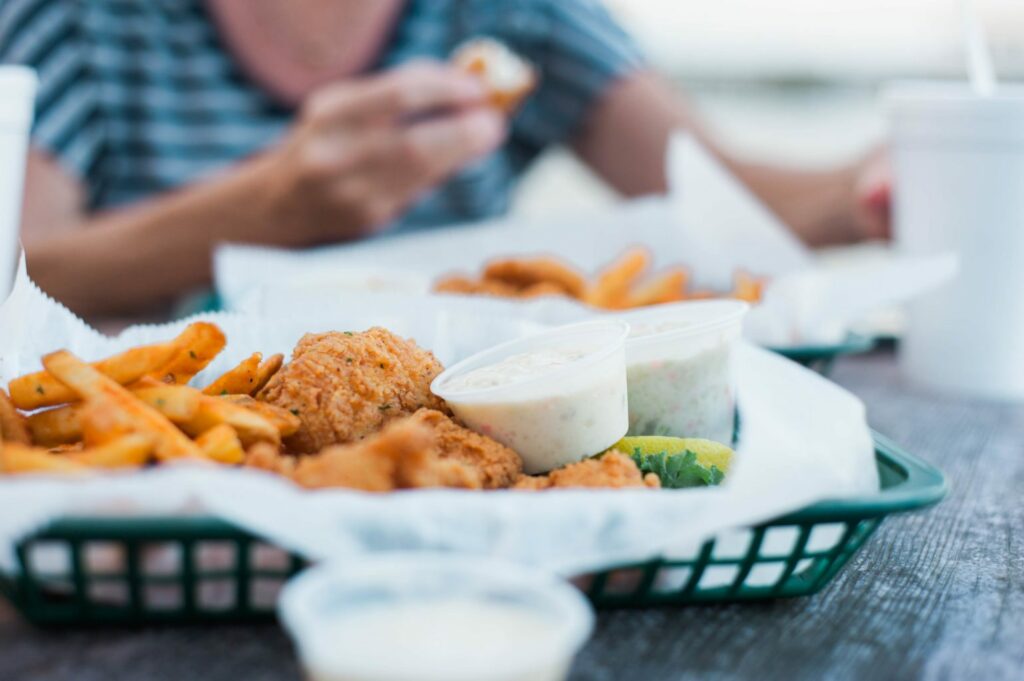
<point>820,358</point>
<point>164,570</point>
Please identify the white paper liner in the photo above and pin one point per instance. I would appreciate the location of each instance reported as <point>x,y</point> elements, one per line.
<point>804,439</point>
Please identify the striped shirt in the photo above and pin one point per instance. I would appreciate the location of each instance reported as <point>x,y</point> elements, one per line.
<point>138,97</point>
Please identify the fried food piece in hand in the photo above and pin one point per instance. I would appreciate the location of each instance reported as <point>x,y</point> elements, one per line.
<point>497,465</point>
<point>523,273</point>
<point>401,456</point>
<point>345,386</point>
<point>612,470</point>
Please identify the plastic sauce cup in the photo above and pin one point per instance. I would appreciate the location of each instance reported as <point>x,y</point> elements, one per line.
<point>680,369</point>
<point>427,617</point>
<point>551,412</point>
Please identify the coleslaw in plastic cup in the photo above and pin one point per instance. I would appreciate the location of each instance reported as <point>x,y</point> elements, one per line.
<point>680,370</point>
<point>434,617</point>
<point>554,397</point>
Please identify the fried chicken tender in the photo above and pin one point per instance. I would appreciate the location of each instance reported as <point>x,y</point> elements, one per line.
<point>497,465</point>
<point>612,470</point>
<point>523,273</point>
<point>402,456</point>
<point>345,386</point>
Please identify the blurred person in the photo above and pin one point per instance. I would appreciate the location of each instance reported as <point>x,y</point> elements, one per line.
<point>166,126</point>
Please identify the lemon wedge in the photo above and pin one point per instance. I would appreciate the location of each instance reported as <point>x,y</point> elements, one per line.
<point>709,453</point>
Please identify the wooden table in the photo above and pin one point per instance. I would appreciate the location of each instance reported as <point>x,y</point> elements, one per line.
<point>935,595</point>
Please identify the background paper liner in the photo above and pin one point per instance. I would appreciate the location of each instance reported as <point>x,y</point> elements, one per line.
<point>708,223</point>
<point>804,439</point>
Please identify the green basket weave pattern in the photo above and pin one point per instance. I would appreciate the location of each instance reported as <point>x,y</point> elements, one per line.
<point>153,570</point>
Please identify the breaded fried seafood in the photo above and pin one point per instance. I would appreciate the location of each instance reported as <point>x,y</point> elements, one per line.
<point>344,386</point>
<point>611,470</point>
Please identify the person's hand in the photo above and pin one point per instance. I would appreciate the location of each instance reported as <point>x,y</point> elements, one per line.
<point>362,151</point>
<point>873,196</point>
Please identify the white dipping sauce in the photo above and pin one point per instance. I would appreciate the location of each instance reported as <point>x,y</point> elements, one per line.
<point>515,367</point>
<point>443,639</point>
<point>554,404</point>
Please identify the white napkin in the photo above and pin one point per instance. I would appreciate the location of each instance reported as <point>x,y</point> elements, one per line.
<point>804,439</point>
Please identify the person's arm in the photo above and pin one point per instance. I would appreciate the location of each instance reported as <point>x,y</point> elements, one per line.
<point>625,141</point>
<point>360,153</point>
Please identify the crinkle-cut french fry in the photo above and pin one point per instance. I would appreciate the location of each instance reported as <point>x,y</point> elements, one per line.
<point>63,425</point>
<point>44,390</point>
<point>526,272</point>
<point>250,426</point>
<point>456,283</point>
<point>198,344</point>
<point>611,289</point>
<point>12,423</point>
<point>286,422</point>
<point>111,410</point>
<point>57,426</point>
<point>129,451</point>
<point>239,380</point>
<point>17,458</point>
<point>667,287</point>
<point>270,366</point>
<point>221,444</point>
<point>179,403</point>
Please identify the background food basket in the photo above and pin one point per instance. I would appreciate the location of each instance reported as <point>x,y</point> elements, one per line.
<point>820,358</point>
<point>153,570</point>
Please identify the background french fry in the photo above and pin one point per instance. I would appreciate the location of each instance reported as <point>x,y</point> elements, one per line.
<point>12,424</point>
<point>197,345</point>
<point>57,426</point>
<point>239,380</point>
<point>667,287</point>
<point>43,390</point>
<point>221,444</point>
<point>129,451</point>
<point>268,368</point>
<point>110,404</point>
<point>613,284</point>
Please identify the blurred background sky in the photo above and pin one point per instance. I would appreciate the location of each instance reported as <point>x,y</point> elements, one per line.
<point>793,81</point>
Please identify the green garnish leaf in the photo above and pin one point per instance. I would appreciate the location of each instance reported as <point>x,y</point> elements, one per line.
<point>39,389</point>
<point>294,411</point>
<point>677,471</point>
<point>384,407</point>
<point>192,354</point>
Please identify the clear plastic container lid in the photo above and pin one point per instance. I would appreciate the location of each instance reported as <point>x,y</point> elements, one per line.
<point>598,340</point>
<point>396,590</point>
<point>679,321</point>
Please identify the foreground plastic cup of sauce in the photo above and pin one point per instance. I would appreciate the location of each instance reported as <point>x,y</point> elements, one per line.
<point>427,617</point>
<point>555,397</point>
<point>680,369</point>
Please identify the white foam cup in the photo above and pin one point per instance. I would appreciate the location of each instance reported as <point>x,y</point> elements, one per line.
<point>959,187</point>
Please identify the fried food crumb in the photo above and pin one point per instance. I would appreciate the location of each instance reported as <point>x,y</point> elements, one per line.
<point>612,470</point>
